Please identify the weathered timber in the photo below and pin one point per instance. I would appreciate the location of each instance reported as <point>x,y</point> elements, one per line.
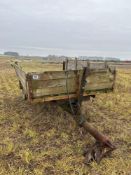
<point>54,83</point>
<point>49,84</point>
<point>60,97</point>
<point>50,75</point>
<point>21,75</point>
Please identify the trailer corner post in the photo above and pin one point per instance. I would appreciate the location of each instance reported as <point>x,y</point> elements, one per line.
<point>29,87</point>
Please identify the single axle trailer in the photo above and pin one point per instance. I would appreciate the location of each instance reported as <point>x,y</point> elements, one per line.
<point>70,81</point>
<point>57,82</point>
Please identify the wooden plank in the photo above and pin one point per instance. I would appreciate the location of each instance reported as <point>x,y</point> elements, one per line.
<point>53,98</point>
<point>83,63</point>
<point>54,91</point>
<point>97,65</point>
<point>52,75</point>
<point>96,86</point>
<point>58,97</point>
<point>21,76</point>
<point>52,83</point>
<point>98,71</point>
<point>60,74</point>
<point>71,89</point>
<point>100,78</point>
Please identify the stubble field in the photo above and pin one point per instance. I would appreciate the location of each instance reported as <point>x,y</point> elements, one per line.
<point>43,139</point>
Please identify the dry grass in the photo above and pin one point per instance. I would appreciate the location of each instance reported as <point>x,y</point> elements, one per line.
<point>33,66</point>
<point>44,139</point>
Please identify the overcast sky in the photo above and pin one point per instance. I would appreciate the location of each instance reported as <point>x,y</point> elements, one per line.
<point>66,27</point>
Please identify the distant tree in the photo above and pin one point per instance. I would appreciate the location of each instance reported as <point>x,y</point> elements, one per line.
<point>11,53</point>
<point>111,59</point>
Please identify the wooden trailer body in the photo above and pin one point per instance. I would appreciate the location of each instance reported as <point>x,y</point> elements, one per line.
<point>59,84</point>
